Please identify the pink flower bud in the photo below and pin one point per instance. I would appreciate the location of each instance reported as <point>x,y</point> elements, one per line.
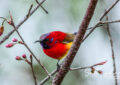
<point>24,55</point>
<point>18,58</point>
<point>9,45</point>
<point>100,72</point>
<point>1,30</point>
<point>14,40</point>
<point>92,70</point>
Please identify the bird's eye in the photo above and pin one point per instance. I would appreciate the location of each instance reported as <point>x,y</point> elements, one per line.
<point>46,40</point>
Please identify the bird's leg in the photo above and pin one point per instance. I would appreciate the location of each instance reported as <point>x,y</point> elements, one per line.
<point>58,66</point>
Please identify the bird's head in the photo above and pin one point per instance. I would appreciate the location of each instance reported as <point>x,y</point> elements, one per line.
<point>49,40</point>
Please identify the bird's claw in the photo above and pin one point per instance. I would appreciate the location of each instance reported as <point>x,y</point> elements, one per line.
<point>58,67</point>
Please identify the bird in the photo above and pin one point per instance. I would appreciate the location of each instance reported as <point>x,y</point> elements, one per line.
<point>56,44</point>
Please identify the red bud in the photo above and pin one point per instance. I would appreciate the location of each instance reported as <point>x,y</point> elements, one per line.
<point>18,58</point>
<point>24,55</point>
<point>100,72</point>
<point>9,45</point>
<point>92,70</point>
<point>14,40</point>
<point>1,30</point>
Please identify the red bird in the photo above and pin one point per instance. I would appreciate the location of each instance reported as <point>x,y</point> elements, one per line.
<point>56,44</point>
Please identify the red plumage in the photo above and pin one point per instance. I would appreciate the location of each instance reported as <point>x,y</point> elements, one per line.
<point>56,52</point>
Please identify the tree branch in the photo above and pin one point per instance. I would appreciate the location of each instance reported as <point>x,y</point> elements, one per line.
<point>109,9</point>
<point>47,78</point>
<point>31,65</point>
<point>76,44</point>
<point>87,67</point>
<point>29,10</point>
<point>97,25</point>
<point>103,15</point>
<point>41,6</point>
<point>108,22</point>
<point>12,24</point>
<point>93,28</point>
<point>25,19</point>
<point>113,56</point>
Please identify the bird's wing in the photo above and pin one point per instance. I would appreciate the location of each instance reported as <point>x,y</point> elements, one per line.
<point>69,38</point>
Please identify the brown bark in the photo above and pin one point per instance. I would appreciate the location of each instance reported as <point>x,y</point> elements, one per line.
<point>76,44</point>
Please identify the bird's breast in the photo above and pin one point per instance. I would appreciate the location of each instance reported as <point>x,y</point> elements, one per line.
<point>58,51</point>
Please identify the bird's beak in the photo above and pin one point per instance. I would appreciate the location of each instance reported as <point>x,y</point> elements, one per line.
<point>38,41</point>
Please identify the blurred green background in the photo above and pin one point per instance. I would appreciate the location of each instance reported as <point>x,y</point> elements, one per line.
<point>66,16</point>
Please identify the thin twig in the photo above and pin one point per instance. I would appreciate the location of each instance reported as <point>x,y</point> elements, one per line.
<point>21,22</point>
<point>100,25</point>
<point>103,15</point>
<point>87,67</point>
<point>80,68</point>
<point>47,78</point>
<point>31,65</point>
<point>97,25</point>
<point>108,22</point>
<point>12,24</point>
<point>3,22</point>
<point>29,10</point>
<point>41,6</point>
<point>113,56</point>
<point>3,18</point>
<point>109,9</point>
<point>91,31</point>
